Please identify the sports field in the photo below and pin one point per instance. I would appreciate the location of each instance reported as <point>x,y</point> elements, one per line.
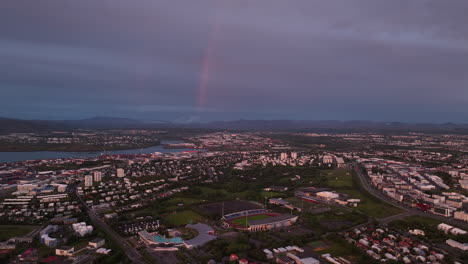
<point>241,220</point>
<point>183,218</point>
<point>8,231</point>
<point>229,207</point>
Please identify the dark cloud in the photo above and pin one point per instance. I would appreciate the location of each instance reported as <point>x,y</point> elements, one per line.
<point>381,60</point>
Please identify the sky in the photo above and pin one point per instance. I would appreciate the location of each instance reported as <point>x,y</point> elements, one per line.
<point>205,60</point>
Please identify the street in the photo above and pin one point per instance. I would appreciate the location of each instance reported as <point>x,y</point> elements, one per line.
<point>131,253</point>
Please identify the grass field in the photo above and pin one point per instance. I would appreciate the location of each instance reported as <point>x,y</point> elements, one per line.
<point>423,220</point>
<point>182,218</point>
<point>8,231</point>
<point>333,248</point>
<point>182,200</point>
<point>148,211</point>
<point>372,207</point>
<point>173,203</point>
<point>241,221</point>
<point>221,192</point>
<point>272,194</point>
<point>341,180</point>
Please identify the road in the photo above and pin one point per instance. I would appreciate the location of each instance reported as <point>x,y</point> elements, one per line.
<point>131,253</point>
<point>408,210</point>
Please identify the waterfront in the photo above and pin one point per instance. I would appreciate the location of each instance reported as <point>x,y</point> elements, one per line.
<point>34,155</point>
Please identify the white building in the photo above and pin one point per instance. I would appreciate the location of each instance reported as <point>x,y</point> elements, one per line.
<point>464,184</point>
<point>97,242</point>
<point>327,196</point>
<point>284,156</point>
<point>293,155</point>
<point>444,227</point>
<point>340,163</point>
<point>298,260</point>
<point>88,179</point>
<point>457,244</point>
<point>457,231</point>
<point>26,187</point>
<point>97,175</point>
<point>120,172</point>
<point>82,229</point>
<point>65,251</point>
<point>327,159</point>
<point>460,215</point>
<point>417,232</point>
<point>61,187</point>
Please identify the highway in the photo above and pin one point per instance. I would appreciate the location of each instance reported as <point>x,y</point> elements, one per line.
<point>408,210</point>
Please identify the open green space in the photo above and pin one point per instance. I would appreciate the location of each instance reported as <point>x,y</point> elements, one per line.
<point>341,180</point>
<point>422,220</point>
<point>8,231</point>
<point>372,207</point>
<point>147,211</point>
<point>273,194</point>
<point>182,200</point>
<point>336,249</point>
<point>182,218</point>
<point>79,244</point>
<point>241,221</point>
<point>175,203</point>
<point>337,219</point>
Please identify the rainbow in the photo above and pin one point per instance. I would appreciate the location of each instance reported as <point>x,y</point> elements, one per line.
<point>207,63</point>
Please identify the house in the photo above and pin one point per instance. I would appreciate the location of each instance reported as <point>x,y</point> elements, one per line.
<point>444,227</point>
<point>233,257</point>
<point>417,232</point>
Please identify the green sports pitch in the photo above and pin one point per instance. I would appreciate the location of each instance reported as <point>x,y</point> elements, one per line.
<point>241,220</point>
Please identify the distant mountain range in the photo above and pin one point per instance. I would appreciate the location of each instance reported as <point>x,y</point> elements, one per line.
<point>8,125</point>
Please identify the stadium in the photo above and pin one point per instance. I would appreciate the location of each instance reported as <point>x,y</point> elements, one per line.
<point>257,220</point>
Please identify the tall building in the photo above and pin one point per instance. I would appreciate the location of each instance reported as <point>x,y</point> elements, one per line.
<point>97,176</point>
<point>284,156</point>
<point>293,155</point>
<point>88,180</point>
<point>120,173</point>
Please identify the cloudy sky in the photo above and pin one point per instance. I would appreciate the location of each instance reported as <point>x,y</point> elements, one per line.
<point>389,60</point>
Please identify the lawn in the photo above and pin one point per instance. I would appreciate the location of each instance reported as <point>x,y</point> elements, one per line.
<point>416,221</point>
<point>423,220</point>
<point>222,192</point>
<point>182,218</point>
<point>173,203</point>
<point>333,248</point>
<point>8,231</point>
<point>339,178</point>
<point>272,194</point>
<point>147,211</point>
<point>182,200</point>
<point>372,207</point>
<point>241,221</point>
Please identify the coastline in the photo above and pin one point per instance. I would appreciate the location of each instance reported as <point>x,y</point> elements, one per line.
<point>74,148</point>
